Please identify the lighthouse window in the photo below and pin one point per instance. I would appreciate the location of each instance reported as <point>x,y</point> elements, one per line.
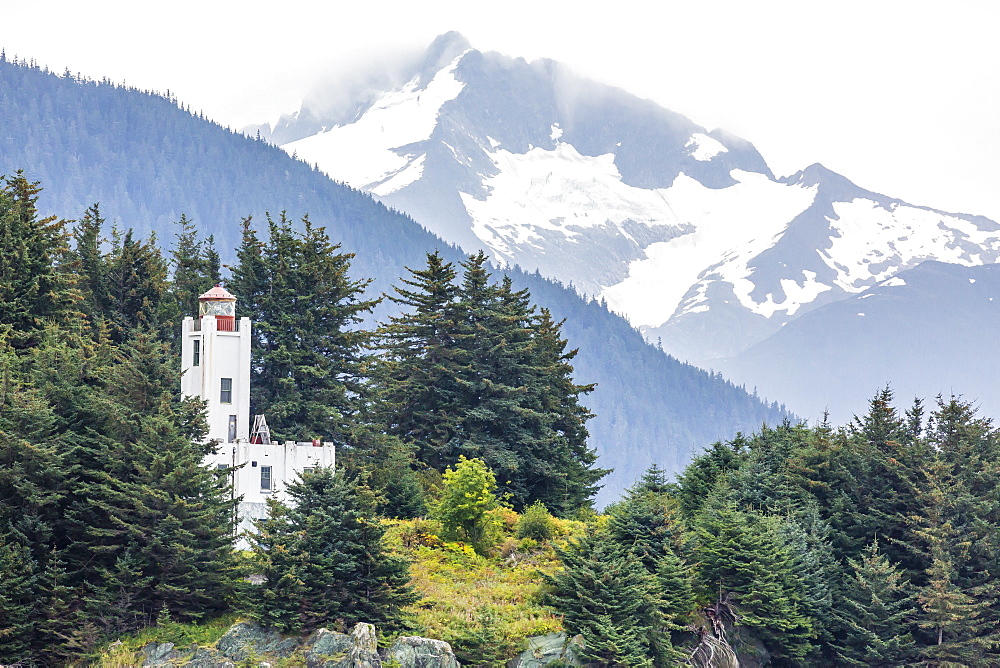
<point>196,357</point>
<point>265,477</point>
<point>226,395</point>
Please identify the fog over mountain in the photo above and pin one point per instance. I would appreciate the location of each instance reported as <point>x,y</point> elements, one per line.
<point>683,230</point>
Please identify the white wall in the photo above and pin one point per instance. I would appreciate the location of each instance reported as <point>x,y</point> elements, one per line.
<point>223,355</point>
<point>247,460</point>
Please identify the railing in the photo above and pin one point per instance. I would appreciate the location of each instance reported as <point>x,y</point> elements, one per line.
<point>220,325</point>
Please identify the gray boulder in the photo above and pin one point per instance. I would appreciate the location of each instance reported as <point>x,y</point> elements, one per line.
<point>248,640</point>
<point>165,655</point>
<point>327,649</point>
<point>249,643</point>
<point>415,652</point>
<point>543,650</point>
<point>365,651</point>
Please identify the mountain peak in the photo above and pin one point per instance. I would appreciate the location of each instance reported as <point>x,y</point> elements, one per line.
<point>832,183</point>
<point>445,48</point>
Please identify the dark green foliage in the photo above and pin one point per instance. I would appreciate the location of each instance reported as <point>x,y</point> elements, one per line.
<point>743,558</point>
<point>606,595</point>
<point>106,513</point>
<point>874,612</point>
<point>646,520</point>
<point>697,482</point>
<point>307,347</point>
<point>17,602</point>
<point>323,560</point>
<point>676,590</point>
<point>36,286</point>
<point>388,467</point>
<point>418,377</point>
<point>125,288</point>
<point>473,370</point>
<point>137,288</point>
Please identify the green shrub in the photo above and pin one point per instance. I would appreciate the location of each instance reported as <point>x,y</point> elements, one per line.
<point>536,523</point>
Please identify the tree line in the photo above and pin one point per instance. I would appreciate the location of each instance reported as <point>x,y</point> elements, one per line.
<point>108,520</point>
<point>874,544</point>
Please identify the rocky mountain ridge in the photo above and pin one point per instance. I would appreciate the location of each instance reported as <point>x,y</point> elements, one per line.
<point>683,230</point>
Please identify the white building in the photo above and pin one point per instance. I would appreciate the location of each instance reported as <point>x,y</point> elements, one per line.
<point>215,364</point>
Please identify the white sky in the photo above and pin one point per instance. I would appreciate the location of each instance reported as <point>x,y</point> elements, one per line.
<point>902,97</point>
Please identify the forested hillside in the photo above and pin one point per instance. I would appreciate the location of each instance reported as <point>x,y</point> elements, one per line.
<point>147,162</point>
<point>873,544</point>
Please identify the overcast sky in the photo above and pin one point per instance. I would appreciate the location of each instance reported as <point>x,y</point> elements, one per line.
<point>901,97</point>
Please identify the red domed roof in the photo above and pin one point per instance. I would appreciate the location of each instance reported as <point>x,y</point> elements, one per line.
<point>218,293</point>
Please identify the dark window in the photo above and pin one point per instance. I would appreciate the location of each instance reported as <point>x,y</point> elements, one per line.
<point>221,467</point>
<point>232,428</point>
<point>226,396</point>
<point>265,477</point>
<point>196,357</point>
<point>307,470</point>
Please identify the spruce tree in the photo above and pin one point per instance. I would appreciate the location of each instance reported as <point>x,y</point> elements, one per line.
<point>743,558</point>
<point>874,612</point>
<point>323,560</point>
<point>606,595</point>
<point>18,602</point>
<point>137,288</point>
<point>36,279</point>
<point>647,519</point>
<point>472,369</point>
<point>91,265</point>
<point>194,267</point>
<point>418,374</point>
<point>168,511</point>
<point>522,411</point>
<point>308,352</point>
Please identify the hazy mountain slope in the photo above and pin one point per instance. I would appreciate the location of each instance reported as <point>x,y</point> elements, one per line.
<point>926,331</point>
<point>146,162</point>
<point>684,231</point>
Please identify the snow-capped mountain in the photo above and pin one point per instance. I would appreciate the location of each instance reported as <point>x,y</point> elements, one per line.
<point>684,231</point>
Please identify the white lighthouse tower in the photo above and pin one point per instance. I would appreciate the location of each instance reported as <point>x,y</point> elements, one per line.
<point>215,363</point>
<point>215,360</point>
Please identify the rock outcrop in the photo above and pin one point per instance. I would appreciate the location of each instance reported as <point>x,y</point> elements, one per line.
<point>247,643</point>
<point>416,652</point>
<point>543,650</point>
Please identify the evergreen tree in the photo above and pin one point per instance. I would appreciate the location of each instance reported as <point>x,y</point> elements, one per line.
<point>137,288</point>
<point>323,560</point>
<point>308,352</point>
<point>743,558</point>
<point>418,376</point>
<point>606,595</point>
<point>698,480</point>
<point>195,267</point>
<point>18,600</point>
<point>955,601</point>
<point>91,265</point>
<point>647,519</point>
<point>874,611</point>
<point>36,281</point>
<point>473,370</point>
<point>170,513</point>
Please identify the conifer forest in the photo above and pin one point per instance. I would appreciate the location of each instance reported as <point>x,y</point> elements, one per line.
<point>462,506</point>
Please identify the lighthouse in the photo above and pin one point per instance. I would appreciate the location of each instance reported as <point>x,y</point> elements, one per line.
<point>215,364</point>
<point>215,360</point>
